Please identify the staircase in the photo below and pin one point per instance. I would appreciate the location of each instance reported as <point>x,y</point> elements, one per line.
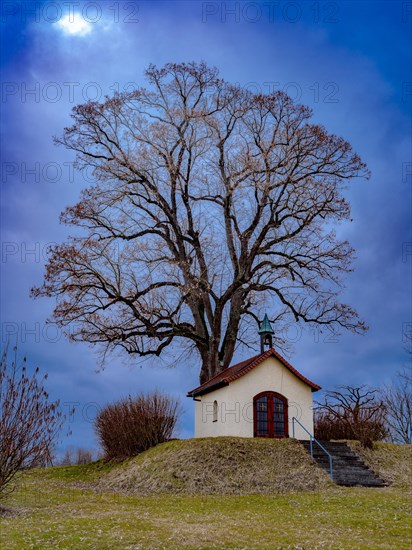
<point>348,468</point>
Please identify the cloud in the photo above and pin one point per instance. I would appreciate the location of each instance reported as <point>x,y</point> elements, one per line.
<point>74,24</point>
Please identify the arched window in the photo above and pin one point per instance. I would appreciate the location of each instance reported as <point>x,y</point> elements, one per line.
<point>270,415</point>
<point>215,410</point>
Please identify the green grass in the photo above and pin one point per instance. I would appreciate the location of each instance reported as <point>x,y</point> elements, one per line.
<point>52,514</point>
<point>61,508</point>
<point>82,472</point>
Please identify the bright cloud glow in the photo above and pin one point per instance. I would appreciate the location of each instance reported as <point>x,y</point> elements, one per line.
<point>74,24</point>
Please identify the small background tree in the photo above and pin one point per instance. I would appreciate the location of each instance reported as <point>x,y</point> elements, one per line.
<point>29,422</point>
<point>351,413</point>
<point>398,405</point>
<point>130,426</point>
<point>76,456</point>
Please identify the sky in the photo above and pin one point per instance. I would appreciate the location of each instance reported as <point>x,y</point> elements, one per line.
<point>349,61</point>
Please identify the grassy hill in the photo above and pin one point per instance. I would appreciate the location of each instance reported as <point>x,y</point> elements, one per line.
<point>227,465</point>
<point>196,494</point>
<point>391,462</point>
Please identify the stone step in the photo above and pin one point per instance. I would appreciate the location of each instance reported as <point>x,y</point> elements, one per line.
<point>319,452</point>
<point>359,481</point>
<point>356,474</point>
<point>338,460</point>
<point>362,484</point>
<point>332,444</point>
<point>346,458</point>
<point>316,446</point>
<point>332,449</point>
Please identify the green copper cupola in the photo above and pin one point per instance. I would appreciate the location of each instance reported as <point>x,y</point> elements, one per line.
<point>265,331</point>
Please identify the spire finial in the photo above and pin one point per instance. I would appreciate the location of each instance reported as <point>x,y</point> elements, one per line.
<point>265,331</point>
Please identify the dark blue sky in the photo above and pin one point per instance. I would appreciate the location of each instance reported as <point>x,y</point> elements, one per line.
<point>349,61</point>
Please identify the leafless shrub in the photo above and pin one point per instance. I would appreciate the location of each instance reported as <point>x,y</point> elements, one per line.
<point>351,413</point>
<point>131,426</point>
<point>29,422</point>
<point>327,428</point>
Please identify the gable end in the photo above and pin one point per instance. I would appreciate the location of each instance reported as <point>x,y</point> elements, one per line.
<point>240,369</point>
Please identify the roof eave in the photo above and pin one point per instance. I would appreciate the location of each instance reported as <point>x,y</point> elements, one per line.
<point>211,388</point>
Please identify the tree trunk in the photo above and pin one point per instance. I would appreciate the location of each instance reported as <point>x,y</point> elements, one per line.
<point>210,365</point>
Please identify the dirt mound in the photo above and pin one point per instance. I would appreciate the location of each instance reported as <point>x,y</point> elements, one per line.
<point>226,465</point>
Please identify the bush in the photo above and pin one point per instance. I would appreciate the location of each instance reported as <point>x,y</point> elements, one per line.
<point>130,426</point>
<point>351,413</point>
<point>366,431</point>
<point>29,421</point>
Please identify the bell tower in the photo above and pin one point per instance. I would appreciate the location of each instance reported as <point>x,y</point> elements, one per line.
<point>265,331</point>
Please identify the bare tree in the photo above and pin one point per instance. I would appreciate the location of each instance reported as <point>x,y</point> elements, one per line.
<point>84,456</point>
<point>398,404</point>
<point>209,202</point>
<point>67,459</point>
<point>76,456</point>
<point>351,413</point>
<point>29,422</point>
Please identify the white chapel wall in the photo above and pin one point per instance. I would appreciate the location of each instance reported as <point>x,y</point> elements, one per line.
<point>235,402</point>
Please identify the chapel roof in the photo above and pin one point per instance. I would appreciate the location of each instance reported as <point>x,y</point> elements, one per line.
<point>240,369</point>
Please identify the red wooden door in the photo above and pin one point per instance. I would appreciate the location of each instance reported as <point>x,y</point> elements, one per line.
<point>270,415</point>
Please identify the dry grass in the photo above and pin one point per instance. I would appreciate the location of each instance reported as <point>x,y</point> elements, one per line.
<point>50,511</point>
<point>224,465</point>
<point>391,462</point>
<point>6,512</point>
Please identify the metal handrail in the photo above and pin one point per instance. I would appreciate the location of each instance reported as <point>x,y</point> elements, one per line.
<point>312,438</point>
